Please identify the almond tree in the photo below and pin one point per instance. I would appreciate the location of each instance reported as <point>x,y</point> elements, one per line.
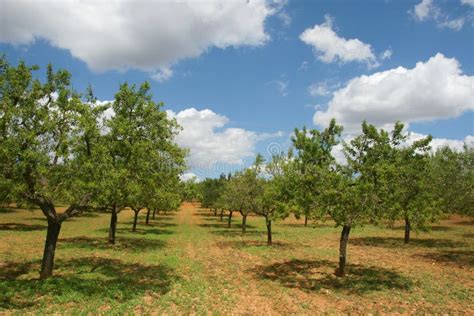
<point>141,149</point>
<point>358,191</point>
<point>49,146</point>
<point>313,157</point>
<point>410,186</point>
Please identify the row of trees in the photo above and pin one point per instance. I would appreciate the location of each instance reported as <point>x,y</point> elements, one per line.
<point>383,180</point>
<point>60,147</point>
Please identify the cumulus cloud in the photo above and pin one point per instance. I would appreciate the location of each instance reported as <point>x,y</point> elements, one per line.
<point>329,47</point>
<point>437,143</point>
<point>145,35</point>
<point>209,142</point>
<point>434,89</point>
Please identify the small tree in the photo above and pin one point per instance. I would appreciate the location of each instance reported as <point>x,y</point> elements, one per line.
<point>141,149</point>
<point>313,158</point>
<point>355,192</point>
<point>269,187</point>
<point>410,193</point>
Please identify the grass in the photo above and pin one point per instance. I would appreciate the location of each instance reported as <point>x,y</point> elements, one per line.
<point>190,263</point>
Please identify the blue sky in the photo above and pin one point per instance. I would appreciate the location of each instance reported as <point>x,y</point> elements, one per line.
<point>249,65</point>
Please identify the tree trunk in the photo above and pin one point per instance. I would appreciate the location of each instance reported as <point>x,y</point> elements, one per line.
<point>113,226</point>
<point>306,220</point>
<point>49,248</point>
<point>343,250</point>
<point>269,231</point>
<point>222,215</point>
<point>147,221</point>
<point>407,230</point>
<point>229,220</point>
<point>135,219</point>
<point>215,212</point>
<point>244,223</point>
<point>154,212</point>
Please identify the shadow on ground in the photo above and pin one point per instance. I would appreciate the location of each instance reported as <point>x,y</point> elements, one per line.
<point>121,243</point>
<point>399,242</point>
<point>461,258</point>
<point>139,231</point>
<point>239,244</point>
<point>21,227</point>
<point>310,276</point>
<point>80,280</point>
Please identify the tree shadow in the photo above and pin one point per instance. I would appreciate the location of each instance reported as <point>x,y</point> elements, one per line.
<point>21,227</point>
<point>432,228</point>
<point>399,242</point>
<point>121,243</point>
<point>159,224</point>
<point>468,222</point>
<point>310,225</point>
<point>240,244</point>
<point>214,225</point>
<point>6,210</point>
<point>229,232</point>
<point>94,214</point>
<point>139,231</point>
<point>83,279</point>
<point>311,276</point>
<point>461,258</point>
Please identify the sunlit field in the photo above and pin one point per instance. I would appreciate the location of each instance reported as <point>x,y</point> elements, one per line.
<point>190,262</point>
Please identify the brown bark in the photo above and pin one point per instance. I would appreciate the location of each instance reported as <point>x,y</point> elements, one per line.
<point>154,213</point>
<point>135,220</point>
<point>269,231</point>
<point>306,220</point>
<point>229,220</point>
<point>52,234</point>
<point>113,226</point>
<point>222,215</point>
<point>244,223</point>
<point>407,230</point>
<point>343,251</point>
<point>147,221</point>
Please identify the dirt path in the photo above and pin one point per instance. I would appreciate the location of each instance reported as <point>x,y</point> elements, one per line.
<point>224,264</point>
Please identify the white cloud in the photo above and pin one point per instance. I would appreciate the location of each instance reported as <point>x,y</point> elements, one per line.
<point>319,89</point>
<point>468,2</point>
<point>163,74</point>
<point>434,89</point>
<point>455,24</point>
<point>329,47</point>
<point>387,54</point>
<point>209,142</point>
<point>187,176</point>
<point>437,143</point>
<point>145,35</point>
<point>426,10</point>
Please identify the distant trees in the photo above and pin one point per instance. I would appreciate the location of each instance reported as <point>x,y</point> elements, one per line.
<point>452,178</point>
